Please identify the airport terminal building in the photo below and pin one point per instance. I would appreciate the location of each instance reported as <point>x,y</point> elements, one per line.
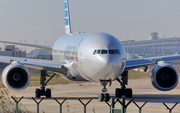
<point>153,47</point>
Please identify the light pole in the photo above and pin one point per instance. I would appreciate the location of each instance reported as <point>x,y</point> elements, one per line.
<point>163,45</point>
<point>21,45</point>
<point>25,46</point>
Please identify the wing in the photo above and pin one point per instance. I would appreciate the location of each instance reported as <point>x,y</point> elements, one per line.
<point>30,45</point>
<point>135,63</point>
<point>40,64</point>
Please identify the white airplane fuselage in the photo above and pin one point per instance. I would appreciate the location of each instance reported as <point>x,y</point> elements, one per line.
<point>90,56</point>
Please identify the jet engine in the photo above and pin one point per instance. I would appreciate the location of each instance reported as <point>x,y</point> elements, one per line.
<point>16,76</point>
<point>164,77</point>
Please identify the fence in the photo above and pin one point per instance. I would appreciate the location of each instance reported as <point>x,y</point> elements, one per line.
<point>115,105</point>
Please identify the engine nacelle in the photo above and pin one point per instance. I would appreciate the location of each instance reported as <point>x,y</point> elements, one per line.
<point>164,77</point>
<point>16,76</point>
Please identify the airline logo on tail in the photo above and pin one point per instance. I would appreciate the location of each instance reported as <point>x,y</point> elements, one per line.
<point>67,17</point>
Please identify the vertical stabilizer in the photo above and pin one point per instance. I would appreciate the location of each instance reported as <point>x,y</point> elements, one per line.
<point>67,17</point>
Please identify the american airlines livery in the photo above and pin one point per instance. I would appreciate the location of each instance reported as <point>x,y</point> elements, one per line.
<point>96,57</point>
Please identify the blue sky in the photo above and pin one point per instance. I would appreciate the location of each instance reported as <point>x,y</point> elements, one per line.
<point>43,20</point>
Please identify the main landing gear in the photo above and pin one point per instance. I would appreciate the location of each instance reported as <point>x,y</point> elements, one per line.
<point>43,91</point>
<point>104,96</point>
<point>123,91</point>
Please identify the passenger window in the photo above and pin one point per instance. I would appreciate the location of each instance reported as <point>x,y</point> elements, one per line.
<point>104,52</point>
<point>112,52</point>
<point>94,52</point>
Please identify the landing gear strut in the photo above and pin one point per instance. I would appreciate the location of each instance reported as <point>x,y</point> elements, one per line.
<point>123,91</point>
<point>104,96</point>
<point>43,91</point>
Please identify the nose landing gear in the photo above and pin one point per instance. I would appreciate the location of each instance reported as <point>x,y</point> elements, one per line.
<point>104,96</point>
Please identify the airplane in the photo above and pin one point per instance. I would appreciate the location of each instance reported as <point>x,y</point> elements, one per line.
<point>95,57</point>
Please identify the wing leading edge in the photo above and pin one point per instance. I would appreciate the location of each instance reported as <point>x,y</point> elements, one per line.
<point>135,63</point>
<point>40,64</point>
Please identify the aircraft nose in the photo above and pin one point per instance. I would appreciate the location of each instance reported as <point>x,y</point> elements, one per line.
<point>105,60</point>
<point>108,60</point>
<point>108,68</point>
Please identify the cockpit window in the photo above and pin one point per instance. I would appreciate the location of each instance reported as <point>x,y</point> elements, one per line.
<point>98,51</point>
<point>112,51</point>
<point>94,52</point>
<point>103,51</point>
<point>117,51</point>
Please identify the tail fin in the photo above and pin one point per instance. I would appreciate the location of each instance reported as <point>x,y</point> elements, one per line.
<point>67,17</point>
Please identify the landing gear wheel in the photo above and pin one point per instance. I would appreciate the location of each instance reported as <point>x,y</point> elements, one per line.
<point>38,93</point>
<point>101,97</point>
<point>119,93</point>
<point>107,97</point>
<point>104,97</point>
<point>48,93</point>
<point>129,93</point>
<point>124,92</point>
